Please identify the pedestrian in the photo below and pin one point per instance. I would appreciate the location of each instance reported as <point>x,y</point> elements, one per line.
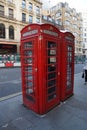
<point>84,75</point>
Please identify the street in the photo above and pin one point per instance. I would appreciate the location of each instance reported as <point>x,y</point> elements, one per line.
<point>68,115</point>
<point>10,80</point>
<point>78,68</point>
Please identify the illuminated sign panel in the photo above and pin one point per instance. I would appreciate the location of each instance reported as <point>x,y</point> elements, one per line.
<point>50,33</point>
<point>29,33</point>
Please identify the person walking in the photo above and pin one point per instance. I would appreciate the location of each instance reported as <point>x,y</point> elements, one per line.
<point>85,72</point>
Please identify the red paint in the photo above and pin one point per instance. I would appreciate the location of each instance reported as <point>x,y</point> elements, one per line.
<point>40,63</point>
<point>9,64</point>
<point>67,65</point>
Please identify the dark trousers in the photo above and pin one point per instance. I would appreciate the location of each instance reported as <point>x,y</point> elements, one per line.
<point>85,75</point>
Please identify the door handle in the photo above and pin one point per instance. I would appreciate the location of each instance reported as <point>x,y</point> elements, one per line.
<point>36,69</point>
<point>58,73</point>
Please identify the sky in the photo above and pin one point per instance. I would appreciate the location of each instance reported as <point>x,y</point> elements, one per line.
<point>79,5</point>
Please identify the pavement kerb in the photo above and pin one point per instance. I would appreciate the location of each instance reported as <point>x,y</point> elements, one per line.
<point>10,96</point>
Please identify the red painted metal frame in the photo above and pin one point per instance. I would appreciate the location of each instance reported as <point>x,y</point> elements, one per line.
<point>67,39</point>
<point>34,39</point>
<point>40,37</point>
<point>48,105</point>
<point>34,104</point>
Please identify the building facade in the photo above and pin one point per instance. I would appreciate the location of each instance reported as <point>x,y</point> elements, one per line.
<point>71,21</point>
<point>84,15</point>
<point>14,15</point>
<point>50,20</point>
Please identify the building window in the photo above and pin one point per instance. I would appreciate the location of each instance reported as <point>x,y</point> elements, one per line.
<point>11,32</point>
<point>23,3</point>
<point>30,7</point>
<point>10,13</point>
<point>75,26</point>
<point>86,34</point>
<point>79,49</point>
<point>67,22</point>
<point>67,14</point>
<point>37,20</point>
<point>23,17</point>
<point>85,39</point>
<point>80,28</point>
<point>37,10</point>
<point>50,19</point>
<point>44,17</point>
<point>58,14</point>
<point>74,18</point>
<point>1,10</point>
<point>30,19</point>
<point>2,30</point>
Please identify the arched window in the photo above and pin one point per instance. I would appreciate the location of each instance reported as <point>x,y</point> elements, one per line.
<point>11,32</point>
<point>2,30</point>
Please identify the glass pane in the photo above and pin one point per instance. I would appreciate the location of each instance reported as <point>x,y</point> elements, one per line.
<point>51,83</point>
<point>29,84</point>
<point>28,69</point>
<point>29,77</point>
<point>51,52</point>
<point>51,60</point>
<point>29,91</point>
<point>28,53</point>
<point>28,45</point>
<point>52,75</point>
<point>51,68</point>
<point>51,96</point>
<point>28,60</point>
<point>50,90</point>
<point>51,44</point>
<point>68,84</point>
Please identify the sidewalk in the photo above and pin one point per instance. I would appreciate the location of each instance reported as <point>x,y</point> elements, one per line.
<point>69,115</point>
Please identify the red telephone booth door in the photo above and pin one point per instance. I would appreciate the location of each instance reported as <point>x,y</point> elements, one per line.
<point>50,68</point>
<point>67,65</point>
<point>52,80</point>
<point>29,73</point>
<point>50,83</point>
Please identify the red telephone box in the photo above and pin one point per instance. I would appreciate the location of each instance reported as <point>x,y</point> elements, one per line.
<point>40,51</point>
<point>67,65</point>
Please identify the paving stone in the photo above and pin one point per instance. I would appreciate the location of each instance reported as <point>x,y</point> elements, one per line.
<point>21,123</point>
<point>75,123</point>
<point>8,127</point>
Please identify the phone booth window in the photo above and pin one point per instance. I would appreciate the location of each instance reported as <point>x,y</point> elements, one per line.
<point>52,70</point>
<point>29,78</point>
<point>69,67</point>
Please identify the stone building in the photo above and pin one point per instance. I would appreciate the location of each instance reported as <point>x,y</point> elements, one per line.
<point>71,21</point>
<point>14,15</point>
